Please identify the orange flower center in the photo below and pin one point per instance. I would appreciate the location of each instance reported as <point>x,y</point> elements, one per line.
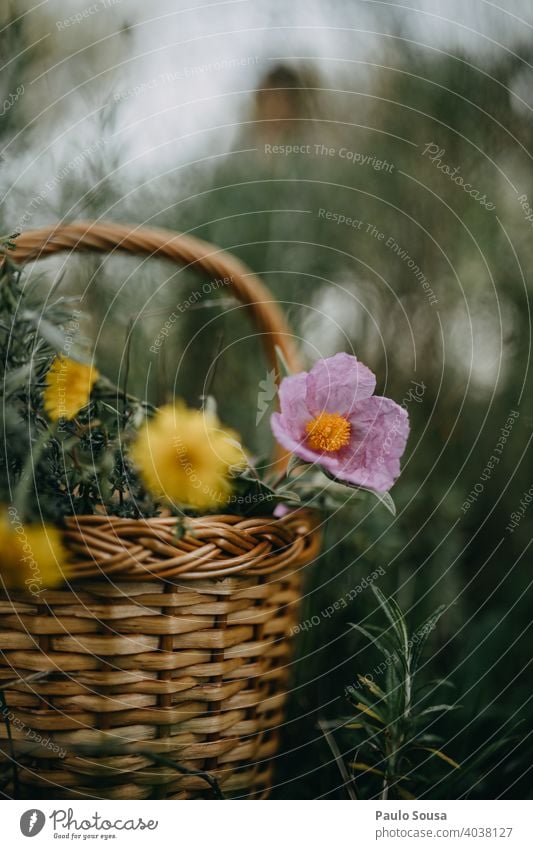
<point>328,432</point>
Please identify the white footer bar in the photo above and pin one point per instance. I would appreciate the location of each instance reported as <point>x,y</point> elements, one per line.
<point>268,825</point>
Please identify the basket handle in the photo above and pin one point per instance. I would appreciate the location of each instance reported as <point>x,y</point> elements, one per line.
<point>107,237</point>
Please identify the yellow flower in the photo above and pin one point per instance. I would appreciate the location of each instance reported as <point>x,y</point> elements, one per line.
<point>68,387</point>
<point>185,457</point>
<point>33,556</point>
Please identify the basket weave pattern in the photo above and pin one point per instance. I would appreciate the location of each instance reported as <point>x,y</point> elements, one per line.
<point>161,670</point>
<point>195,671</point>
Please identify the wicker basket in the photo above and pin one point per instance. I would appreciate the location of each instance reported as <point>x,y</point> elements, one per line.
<point>161,671</point>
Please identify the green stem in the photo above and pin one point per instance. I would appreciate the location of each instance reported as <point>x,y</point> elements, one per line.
<point>106,389</point>
<point>286,474</point>
<point>22,490</point>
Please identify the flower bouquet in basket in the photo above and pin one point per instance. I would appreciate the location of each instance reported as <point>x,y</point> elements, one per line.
<point>150,569</point>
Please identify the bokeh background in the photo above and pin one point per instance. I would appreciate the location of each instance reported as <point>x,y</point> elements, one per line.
<point>186,115</point>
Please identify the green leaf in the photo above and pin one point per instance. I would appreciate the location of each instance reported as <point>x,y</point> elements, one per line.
<point>16,378</point>
<point>404,794</point>
<point>295,463</point>
<point>49,332</point>
<point>372,686</point>
<point>423,631</point>
<point>252,496</point>
<point>377,641</point>
<point>385,498</point>
<point>428,739</point>
<point>282,365</point>
<point>396,619</point>
<point>366,706</point>
<point>436,683</point>
<point>437,709</point>
<point>359,766</point>
<point>110,408</point>
<point>441,755</point>
<point>180,529</point>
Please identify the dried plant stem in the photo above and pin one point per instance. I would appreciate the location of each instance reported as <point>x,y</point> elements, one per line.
<point>22,490</point>
<point>210,779</point>
<point>335,751</point>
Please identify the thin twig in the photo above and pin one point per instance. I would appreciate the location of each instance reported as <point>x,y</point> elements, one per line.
<point>210,376</point>
<point>210,779</point>
<point>127,353</point>
<point>36,676</point>
<point>108,390</point>
<point>335,751</point>
<point>23,489</point>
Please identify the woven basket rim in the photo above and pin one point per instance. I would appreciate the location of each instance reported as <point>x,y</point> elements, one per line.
<point>212,546</point>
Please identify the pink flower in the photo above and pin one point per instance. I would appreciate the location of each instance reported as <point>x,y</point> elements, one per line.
<point>330,416</point>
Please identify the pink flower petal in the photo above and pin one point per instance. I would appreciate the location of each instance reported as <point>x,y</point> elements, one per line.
<point>287,440</point>
<point>380,428</point>
<point>293,405</point>
<point>337,384</point>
